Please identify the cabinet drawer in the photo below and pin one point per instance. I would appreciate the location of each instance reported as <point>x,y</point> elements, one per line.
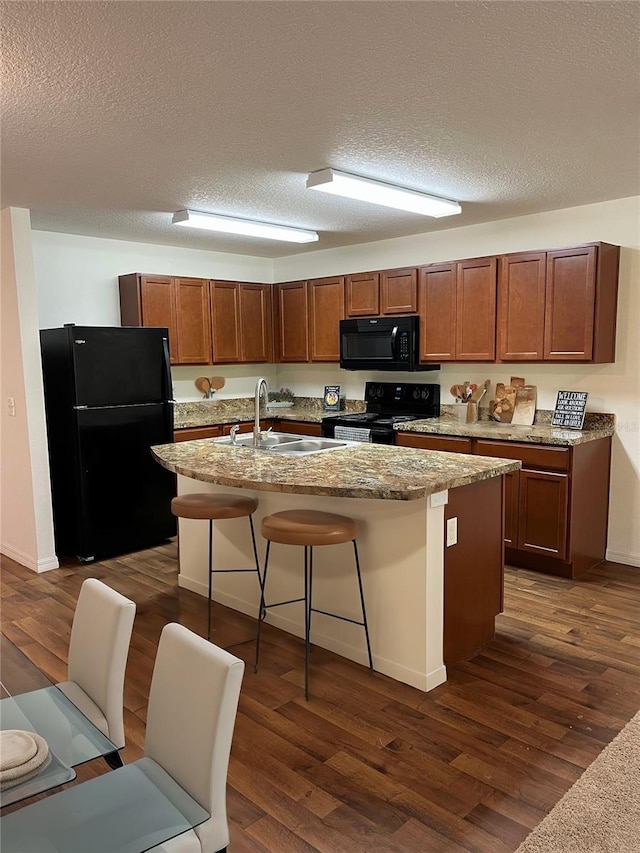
<point>531,455</point>
<point>448,443</point>
<point>191,433</point>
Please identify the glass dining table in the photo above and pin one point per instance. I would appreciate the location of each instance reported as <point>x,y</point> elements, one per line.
<point>128,810</point>
<point>33,704</point>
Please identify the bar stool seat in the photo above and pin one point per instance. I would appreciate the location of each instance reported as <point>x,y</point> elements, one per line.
<point>309,528</point>
<point>214,507</point>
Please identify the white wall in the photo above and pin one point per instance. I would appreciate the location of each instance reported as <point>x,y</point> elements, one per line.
<point>77,277</point>
<point>77,282</point>
<point>25,500</point>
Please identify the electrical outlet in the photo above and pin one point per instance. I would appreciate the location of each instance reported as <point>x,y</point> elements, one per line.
<point>452,531</point>
<point>11,406</point>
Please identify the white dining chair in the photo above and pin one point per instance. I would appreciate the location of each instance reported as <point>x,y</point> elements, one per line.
<point>190,719</point>
<point>98,649</point>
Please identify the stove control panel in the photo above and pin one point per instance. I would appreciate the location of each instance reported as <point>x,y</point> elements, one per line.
<point>403,397</point>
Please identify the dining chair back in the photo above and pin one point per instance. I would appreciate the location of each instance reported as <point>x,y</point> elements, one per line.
<point>98,649</point>
<point>190,719</point>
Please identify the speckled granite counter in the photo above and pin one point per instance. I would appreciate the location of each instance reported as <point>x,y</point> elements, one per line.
<point>214,412</point>
<point>365,471</point>
<point>596,426</point>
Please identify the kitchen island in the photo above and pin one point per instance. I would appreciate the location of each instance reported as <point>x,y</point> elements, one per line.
<point>397,496</point>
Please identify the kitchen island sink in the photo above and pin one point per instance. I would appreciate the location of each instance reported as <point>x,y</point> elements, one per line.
<point>287,444</point>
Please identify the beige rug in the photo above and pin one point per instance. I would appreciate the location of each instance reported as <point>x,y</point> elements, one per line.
<point>600,813</point>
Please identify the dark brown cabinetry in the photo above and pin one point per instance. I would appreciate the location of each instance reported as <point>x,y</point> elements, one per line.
<point>241,322</point>
<point>297,427</point>
<point>559,305</point>
<point>362,294</point>
<point>180,304</point>
<point>326,309</point>
<point>306,320</point>
<point>399,291</point>
<point>457,303</point>
<point>291,322</point>
<point>555,507</point>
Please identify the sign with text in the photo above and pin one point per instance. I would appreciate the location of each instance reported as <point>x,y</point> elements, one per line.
<point>570,409</point>
<point>331,398</point>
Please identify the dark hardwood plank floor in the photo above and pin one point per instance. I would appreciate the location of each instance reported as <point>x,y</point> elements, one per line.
<point>370,764</point>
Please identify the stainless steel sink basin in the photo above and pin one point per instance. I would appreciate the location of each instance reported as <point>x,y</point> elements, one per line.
<point>309,445</point>
<point>288,444</point>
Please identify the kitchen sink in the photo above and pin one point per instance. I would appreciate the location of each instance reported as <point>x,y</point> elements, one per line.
<point>287,444</point>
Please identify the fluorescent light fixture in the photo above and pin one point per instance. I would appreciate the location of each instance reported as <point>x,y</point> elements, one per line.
<point>231,225</point>
<point>377,192</point>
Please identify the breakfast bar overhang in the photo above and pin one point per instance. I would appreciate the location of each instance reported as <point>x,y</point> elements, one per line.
<point>398,498</point>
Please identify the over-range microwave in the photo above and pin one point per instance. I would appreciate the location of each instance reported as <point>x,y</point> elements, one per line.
<point>381,343</point>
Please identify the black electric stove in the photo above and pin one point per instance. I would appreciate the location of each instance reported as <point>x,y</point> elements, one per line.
<point>388,403</point>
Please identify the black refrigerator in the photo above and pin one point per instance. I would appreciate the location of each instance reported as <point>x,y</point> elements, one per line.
<point>108,400</point>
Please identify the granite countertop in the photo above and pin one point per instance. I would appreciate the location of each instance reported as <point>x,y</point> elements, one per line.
<point>213,412</point>
<point>596,426</point>
<point>362,471</point>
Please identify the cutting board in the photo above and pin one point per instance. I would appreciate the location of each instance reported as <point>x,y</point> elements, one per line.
<point>501,409</point>
<point>525,406</point>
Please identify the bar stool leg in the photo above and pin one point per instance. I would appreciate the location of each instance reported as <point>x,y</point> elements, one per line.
<point>364,613</point>
<point>308,572</point>
<point>261,611</point>
<point>255,551</point>
<point>210,579</point>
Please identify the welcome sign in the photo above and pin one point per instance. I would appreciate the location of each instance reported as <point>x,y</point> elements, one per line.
<point>570,409</point>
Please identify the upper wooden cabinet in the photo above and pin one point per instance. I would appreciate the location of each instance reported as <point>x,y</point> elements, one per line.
<point>559,305</point>
<point>307,318</point>
<point>326,309</point>
<point>362,294</point>
<point>179,304</point>
<point>241,322</point>
<point>458,310</point>
<point>291,321</point>
<point>521,306</point>
<point>399,291</point>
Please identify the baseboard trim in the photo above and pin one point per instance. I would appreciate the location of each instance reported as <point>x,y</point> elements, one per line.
<point>44,564</point>
<point>621,557</point>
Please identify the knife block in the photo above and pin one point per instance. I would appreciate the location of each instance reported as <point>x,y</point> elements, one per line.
<point>472,412</point>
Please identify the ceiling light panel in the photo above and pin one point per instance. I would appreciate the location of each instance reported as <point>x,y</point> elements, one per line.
<point>378,192</point>
<point>247,227</point>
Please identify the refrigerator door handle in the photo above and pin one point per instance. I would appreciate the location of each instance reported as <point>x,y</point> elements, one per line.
<point>167,369</point>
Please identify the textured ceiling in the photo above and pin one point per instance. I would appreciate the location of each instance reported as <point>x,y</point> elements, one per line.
<point>116,114</point>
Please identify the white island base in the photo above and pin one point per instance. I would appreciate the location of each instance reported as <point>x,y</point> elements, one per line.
<point>401,547</point>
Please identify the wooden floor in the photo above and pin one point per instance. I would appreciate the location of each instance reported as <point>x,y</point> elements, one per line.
<point>370,764</point>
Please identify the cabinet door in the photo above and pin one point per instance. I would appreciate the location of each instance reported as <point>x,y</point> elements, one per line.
<point>326,309</point>
<point>521,304</point>
<point>399,291</point>
<point>437,307</point>
<point>297,427</point>
<point>192,320</point>
<point>362,294</point>
<point>570,304</point>
<point>511,508</point>
<point>476,309</point>
<point>193,433</point>
<point>448,443</point>
<point>542,518</point>
<point>157,299</point>
<point>255,322</point>
<point>291,322</point>
<point>225,316</point>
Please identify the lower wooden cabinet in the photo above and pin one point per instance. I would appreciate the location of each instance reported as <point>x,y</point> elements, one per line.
<point>297,427</point>
<point>277,424</point>
<point>555,507</point>
<point>193,433</point>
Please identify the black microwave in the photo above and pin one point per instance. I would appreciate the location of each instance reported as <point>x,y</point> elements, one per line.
<point>381,343</point>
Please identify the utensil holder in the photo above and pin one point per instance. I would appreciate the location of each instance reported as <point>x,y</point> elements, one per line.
<point>472,412</point>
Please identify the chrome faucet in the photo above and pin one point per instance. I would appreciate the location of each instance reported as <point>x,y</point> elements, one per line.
<point>261,385</point>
